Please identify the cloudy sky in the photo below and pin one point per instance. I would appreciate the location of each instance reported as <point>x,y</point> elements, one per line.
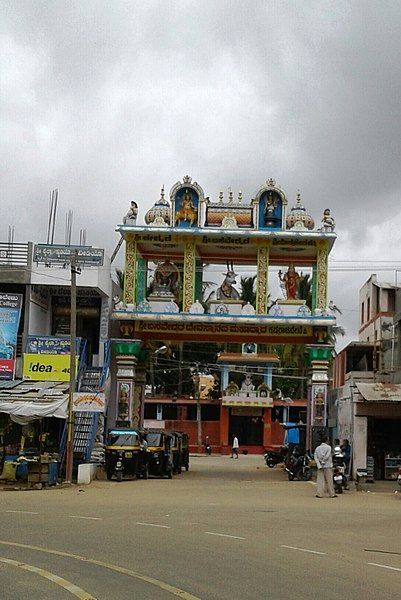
<point>107,101</point>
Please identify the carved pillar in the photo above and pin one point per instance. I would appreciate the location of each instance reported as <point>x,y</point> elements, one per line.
<point>321,274</point>
<point>126,365</point>
<point>262,279</point>
<point>317,402</point>
<point>130,271</point>
<point>189,275</point>
<point>141,278</point>
<point>138,409</point>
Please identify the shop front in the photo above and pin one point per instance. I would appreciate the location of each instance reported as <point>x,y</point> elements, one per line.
<point>374,429</point>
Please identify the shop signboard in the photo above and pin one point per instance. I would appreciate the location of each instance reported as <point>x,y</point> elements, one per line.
<point>89,402</point>
<point>50,345</point>
<point>58,254</point>
<point>47,367</point>
<point>10,313</point>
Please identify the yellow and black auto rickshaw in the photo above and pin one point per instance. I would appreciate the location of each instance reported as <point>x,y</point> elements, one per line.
<point>159,452</point>
<point>185,451</point>
<point>177,451</point>
<point>126,454</point>
<point>180,451</point>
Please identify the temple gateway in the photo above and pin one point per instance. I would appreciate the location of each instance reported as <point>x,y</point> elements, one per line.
<point>181,286</point>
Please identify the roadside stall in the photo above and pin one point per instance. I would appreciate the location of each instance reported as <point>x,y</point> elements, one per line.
<point>31,422</point>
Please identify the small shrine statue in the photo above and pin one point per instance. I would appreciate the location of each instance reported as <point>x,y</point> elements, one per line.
<point>166,278</point>
<point>247,385</point>
<point>187,210</point>
<point>227,290</point>
<point>291,282</point>
<point>270,206</point>
<point>328,223</point>
<point>130,217</point>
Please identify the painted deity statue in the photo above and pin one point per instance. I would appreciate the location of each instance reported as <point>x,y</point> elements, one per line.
<point>291,281</point>
<point>187,210</point>
<point>328,223</point>
<point>247,385</point>
<point>166,278</point>
<point>130,217</point>
<point>227,290</point>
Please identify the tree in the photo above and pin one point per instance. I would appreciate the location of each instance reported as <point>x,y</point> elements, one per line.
<point>120,278</point>
<point>248,293</point>
<point>305,289</point>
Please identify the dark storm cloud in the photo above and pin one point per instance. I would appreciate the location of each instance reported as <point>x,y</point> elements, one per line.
<point>108,101</point>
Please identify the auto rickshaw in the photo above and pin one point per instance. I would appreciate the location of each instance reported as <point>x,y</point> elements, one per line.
<point>180,451</point>
<point>159,452</point>
<point>126,454</point>
<point>177,451</point>
<point>185,451</point>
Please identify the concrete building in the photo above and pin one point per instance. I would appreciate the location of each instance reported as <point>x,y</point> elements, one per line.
<point>365,402</point>
<point>41,274</point>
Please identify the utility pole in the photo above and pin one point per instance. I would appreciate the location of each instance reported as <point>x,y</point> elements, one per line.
<point>73,335</point>
<point>198,404</point>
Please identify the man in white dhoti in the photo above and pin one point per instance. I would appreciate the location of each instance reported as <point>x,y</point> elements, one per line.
<point>324,463</point>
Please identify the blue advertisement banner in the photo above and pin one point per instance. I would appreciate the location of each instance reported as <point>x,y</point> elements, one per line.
<point>50,345</point>
<point>10,313</point>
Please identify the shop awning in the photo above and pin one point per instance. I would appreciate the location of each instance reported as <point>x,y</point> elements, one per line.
<point>380,392</point>
<point>27,401</point>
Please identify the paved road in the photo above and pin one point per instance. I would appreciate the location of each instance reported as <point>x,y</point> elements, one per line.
<point>228,529</point>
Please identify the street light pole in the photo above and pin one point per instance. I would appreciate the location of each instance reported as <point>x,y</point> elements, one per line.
<point>73,335</point>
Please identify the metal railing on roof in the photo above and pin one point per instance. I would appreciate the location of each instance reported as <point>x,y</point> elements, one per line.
<point>14,255</point>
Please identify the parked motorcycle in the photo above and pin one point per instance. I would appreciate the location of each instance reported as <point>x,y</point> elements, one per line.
<point>274,457</point>
<point>298,466</point>
<point>340,480</point>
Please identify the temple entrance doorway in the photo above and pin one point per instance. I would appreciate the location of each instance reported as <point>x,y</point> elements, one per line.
<point>247,425</point>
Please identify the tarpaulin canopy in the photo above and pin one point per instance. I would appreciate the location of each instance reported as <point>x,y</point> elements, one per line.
<point>27,401</point>
<point>380,392</point>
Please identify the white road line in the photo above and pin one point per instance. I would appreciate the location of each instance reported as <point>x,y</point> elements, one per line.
<point>234,537</point>
<point>303,549</point>
<point>22,512</point>
<point>87,518</point>
<point>384,567</point>
<point>154,525</point>
<point>312,482</point>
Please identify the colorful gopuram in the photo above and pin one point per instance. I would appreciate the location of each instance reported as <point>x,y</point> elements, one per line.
<point>166,268</point>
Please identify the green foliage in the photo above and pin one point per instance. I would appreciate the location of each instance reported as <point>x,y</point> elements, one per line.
<point>120,278</point>
<point>248,293</point>
<point>305,289</point>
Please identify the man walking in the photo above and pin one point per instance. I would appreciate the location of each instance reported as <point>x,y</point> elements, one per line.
<point>324,463</point>
<point>234,448</point>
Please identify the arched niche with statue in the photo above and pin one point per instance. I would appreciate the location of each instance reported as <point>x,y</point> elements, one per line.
<point>186,200</point>
<point>271,203</point>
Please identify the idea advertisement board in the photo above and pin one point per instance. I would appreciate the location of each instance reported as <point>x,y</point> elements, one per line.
<point>47,367</point>
<point>10,312</point>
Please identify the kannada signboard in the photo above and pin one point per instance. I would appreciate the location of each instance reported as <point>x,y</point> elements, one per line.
<point>10,312</point>
<point>58,254</point>
<point>268,333</point>
<point>47,367</point>
<point>50,345</point>
<point>89,402</point>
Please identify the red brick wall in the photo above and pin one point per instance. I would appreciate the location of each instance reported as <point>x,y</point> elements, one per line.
<point>210,428</point>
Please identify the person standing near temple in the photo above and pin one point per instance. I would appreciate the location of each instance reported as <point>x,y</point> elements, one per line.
<point>324,462</point>
<point>234,447</point>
